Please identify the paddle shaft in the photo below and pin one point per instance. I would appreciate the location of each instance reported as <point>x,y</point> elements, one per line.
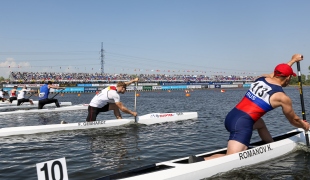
<point>57,94</point>
<point>303,111</point>
<point>135,108</point>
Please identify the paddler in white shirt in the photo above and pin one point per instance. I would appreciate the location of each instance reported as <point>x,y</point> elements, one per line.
<point>109,99</point>
<point>21,96</point>
<point>2,94</point>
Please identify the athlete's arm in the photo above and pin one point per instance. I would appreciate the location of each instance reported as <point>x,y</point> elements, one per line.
<point>134,80</point>
<point>55,87</point>
<point>295,58</point>
<point>121,106</point>
<point>27,90</point>
<point>289,113</point>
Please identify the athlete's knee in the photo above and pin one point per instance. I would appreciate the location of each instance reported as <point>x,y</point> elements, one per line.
<point>234,146</point>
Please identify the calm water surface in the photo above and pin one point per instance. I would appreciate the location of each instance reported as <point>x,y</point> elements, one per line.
<point>91,154</point>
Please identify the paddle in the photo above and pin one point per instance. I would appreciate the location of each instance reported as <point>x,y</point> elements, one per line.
<point>57,93</point>
<point>135,109</point>
<point>302,101</point>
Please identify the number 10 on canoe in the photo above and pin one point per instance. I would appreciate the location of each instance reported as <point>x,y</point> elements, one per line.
<point>52,170</point>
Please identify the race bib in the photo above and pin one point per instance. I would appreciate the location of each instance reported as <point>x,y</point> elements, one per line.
<point>260,89</point>
<point>42,94</point>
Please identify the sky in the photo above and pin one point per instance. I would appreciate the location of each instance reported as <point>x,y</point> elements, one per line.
<point>240,37</point>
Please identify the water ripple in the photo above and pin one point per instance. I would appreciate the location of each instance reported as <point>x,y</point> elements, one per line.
<point>91,154</point>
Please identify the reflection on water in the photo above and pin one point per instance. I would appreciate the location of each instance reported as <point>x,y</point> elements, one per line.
<point>91,154</point>
<point>49,118</point>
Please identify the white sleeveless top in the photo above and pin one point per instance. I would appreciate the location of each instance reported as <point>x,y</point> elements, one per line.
<point>107,95</point>
<point>21,94</point>
<point>1,94</point>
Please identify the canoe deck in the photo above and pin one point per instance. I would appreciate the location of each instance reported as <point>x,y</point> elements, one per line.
<point>180,169</point>
<point>29,106</point>
<point>147,119</point>
<point>60,109</point>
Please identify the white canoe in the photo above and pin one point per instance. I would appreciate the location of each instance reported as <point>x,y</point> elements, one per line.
<point>64,108</point>
<point>14,103</point>
<point>180,169</point>
<point>35,106</point>
<point>165,117</point>
<point>147,119</point>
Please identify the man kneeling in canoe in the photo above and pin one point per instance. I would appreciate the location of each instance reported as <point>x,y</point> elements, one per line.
<point>264,95</point>
<point>44,92</point>
<point>109,99</point>
<point>21,96</point>
<point>2,94</point>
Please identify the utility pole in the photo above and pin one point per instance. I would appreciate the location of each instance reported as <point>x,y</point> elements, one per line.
<point>102,57</point>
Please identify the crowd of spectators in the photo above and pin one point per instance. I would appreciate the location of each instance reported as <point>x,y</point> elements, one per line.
<point>33,77</point>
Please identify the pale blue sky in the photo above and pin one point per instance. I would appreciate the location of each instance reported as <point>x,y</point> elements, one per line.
<point>208,37</point>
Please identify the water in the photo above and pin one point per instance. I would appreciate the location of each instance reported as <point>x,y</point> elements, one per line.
<point>91,154</point>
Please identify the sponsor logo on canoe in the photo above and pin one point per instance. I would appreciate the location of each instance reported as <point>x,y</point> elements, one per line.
<point>255,151</point>
<point>157,115</point>
<point>161,115</point>
<point>92,123</point>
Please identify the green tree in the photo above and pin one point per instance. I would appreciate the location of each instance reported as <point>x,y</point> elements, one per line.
<point>294,80</point>
<point>2,79</point>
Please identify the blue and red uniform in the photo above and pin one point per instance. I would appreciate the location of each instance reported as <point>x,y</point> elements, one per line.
<point>256,102</point>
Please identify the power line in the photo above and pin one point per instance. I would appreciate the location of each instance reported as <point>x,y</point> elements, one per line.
<point>102,58</point>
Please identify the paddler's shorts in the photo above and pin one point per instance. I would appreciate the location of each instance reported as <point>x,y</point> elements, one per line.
<point>94,111</point>
<point>19,101</point>
<point>240,126</point>
<point>11,99</point>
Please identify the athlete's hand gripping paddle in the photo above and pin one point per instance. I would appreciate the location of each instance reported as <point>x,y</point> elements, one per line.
<point>302,100</point>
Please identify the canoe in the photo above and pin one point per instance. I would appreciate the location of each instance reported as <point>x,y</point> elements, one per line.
<point>165,117</point>
<point>147,119</point>
<point>28,106</point>
<point>180,169</point>
<point>60,109</point>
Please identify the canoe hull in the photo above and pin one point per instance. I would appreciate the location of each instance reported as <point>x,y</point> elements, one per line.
<point>179,169</point>
<point>28,106</point>
<point>60,109</point>
<point>166,117</point>
<point>14,103</point>
<point>61,127</point>
<point>95,124</point>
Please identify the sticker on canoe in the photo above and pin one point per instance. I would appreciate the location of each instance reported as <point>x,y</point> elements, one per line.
<point>91,123</point>
<point>164,115</point>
